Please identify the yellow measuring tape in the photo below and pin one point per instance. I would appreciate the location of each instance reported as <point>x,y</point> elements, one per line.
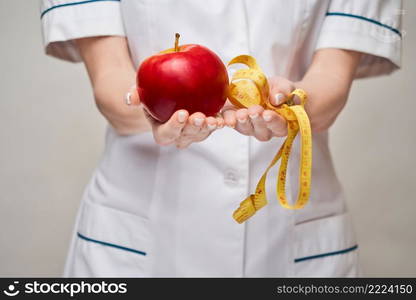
<point>249,87</point>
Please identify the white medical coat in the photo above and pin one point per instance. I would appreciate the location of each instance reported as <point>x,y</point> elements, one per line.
<point>160,211</point>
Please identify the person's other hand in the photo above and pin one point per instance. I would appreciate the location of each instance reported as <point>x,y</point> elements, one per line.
<point>181,129</point>
<point>256,121</point>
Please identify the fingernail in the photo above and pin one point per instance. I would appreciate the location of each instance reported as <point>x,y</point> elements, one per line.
<point>278,98</point>
<point>127,98</point>
<point>212,126</point>
<point>181,116</point>
<point>267,117</point>
<point>242,120</point>
<point>254,116</point>
<point>198,121</point>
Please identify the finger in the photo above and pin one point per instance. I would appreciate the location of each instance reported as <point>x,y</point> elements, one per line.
<point>220,122</point>
<point>206,130</point>
<point>275,123</point>
<point>135,99</point>
<point>280,88</point>
<point>229,118</point>
<point>167,133</point>
<point>132,97</point>
<point>195,123</point>
<point>209,126</point>
<point>261,132</point>
<point>244,125</point>
<point>193,132</point>
<point>212,123</point>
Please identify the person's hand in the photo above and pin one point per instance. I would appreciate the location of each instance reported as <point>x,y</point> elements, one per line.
<point>256,121</point>
<point>181,129</point>
<point>111,73</point>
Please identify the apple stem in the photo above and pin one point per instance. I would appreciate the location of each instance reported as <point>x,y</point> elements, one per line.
<point>177,36</point>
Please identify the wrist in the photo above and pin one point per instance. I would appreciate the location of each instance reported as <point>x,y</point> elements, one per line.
<point>110,88</point>
<point>327,96</point>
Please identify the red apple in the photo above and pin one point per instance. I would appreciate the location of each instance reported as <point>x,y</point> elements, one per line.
<point>190,77</point>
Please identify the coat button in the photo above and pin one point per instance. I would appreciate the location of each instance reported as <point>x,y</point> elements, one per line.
<point>231,177</point>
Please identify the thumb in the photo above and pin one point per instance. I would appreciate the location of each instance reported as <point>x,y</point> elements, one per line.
<point>280,88</point>
<point>132,97</point>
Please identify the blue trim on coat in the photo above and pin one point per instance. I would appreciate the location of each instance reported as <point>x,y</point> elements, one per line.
<point>72,4</point>
<point>340,14</point>
<point>326,254</point>
<point>109,244</point>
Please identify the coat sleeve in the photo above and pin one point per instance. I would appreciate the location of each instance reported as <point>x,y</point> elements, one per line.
<point>372,27</point>
<point>64,21</point>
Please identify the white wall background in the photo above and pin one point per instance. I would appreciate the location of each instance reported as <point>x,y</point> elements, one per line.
<point>51,137</point>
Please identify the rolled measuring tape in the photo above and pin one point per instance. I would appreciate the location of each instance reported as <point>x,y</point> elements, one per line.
<point>249,87</point>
